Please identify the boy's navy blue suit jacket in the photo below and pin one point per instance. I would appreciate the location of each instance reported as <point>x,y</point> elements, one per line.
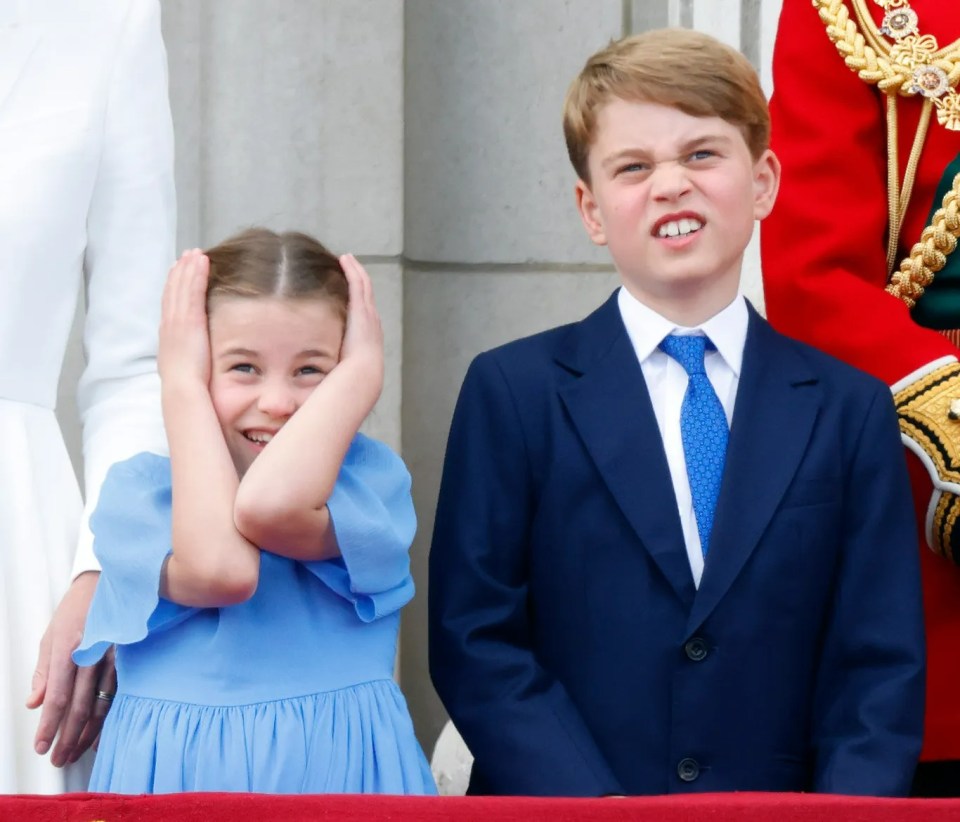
<point>567,639</point>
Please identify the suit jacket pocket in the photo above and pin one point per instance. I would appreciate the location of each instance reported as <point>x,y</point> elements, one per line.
<point>805,492</point>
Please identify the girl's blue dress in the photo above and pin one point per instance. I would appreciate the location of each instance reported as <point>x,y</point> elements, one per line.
<point>289,692</point>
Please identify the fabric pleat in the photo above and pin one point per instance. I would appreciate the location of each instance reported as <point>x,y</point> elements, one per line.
<point>353,740</point>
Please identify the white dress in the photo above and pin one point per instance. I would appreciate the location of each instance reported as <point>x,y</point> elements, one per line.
<point>86,191</point>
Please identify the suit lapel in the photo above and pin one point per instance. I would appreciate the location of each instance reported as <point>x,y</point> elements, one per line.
<point>611,410</point>
<point>18,39</point>
<point>777,393</point>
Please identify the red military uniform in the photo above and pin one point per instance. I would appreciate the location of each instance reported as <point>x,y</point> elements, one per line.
<point>824,253</point>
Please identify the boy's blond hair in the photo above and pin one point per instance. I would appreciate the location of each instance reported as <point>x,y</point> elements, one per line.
<point>680,68</point>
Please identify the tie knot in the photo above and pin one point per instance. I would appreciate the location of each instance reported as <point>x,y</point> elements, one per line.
<point>688,350</point>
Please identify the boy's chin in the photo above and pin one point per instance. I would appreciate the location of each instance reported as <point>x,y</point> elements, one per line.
<point>682,283</point>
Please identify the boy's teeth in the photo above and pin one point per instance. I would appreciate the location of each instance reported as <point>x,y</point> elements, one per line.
<point>679,227</point>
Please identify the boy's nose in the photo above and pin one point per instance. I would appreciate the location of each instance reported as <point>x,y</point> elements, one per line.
<point>670,181</point>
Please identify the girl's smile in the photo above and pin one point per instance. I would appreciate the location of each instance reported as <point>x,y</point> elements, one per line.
<point>268,354</point>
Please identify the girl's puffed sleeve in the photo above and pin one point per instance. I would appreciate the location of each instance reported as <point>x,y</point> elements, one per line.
<point>373,517</point>
<point>131,539</point>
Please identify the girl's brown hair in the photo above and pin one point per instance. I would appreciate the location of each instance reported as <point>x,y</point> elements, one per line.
<point>259,262</point>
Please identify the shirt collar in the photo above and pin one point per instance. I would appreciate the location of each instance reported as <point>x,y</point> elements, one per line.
<point>646,328</point>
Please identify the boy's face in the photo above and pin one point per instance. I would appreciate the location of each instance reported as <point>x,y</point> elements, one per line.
<point>674,197</point>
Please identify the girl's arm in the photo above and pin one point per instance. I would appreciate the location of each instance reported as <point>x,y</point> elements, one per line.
<point>281,504</point>
<point>212,564</point>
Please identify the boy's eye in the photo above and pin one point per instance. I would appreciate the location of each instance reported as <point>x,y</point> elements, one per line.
<point>635,167</point>
<point>703,154</point>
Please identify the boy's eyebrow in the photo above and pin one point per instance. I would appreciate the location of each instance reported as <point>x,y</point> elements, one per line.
<point>685,148</point>
<point>696,142</point>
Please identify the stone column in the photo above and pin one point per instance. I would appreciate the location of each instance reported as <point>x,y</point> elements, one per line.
<point>290,115</point>
<point>494,247</point>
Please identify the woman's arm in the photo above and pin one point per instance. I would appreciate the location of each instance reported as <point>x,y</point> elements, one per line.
<point>281,502</point>
<point>130,222</point>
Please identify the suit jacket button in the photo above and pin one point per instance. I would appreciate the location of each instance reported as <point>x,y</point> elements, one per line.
<point>688,769</point>
<point>696,649</point>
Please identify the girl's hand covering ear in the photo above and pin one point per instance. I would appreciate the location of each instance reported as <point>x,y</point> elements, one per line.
<point>363,338</point>
<point>184,353</point>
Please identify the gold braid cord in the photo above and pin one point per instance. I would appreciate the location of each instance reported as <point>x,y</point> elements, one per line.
<point>913,64</point>
<point>930,254</point>
<point>859,57</point>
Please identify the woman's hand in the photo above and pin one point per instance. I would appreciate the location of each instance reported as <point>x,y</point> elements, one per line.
<point>363,338</point>
<point>68,694</point>
<point>184,354</point>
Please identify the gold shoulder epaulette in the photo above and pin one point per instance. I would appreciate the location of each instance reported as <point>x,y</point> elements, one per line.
<point>929,412</point>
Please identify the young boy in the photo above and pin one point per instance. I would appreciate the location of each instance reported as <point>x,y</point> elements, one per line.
<point>674,549</point>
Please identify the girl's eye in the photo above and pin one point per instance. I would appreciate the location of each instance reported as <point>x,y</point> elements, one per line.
<point>243,368</point>
<point>309,370</point>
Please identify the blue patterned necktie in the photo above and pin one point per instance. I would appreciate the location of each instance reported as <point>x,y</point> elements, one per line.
<point>703,429</point>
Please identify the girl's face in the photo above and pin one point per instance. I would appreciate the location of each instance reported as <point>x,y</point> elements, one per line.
<point>267,356</point>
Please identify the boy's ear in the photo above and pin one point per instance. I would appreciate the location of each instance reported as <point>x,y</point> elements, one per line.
<point>766,184</point>
<point>589,213</point>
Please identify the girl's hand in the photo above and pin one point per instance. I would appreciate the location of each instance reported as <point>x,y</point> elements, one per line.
<point>184,354</point>
<point>363,338</point>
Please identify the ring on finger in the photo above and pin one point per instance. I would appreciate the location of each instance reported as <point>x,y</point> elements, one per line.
<point>106,696</point>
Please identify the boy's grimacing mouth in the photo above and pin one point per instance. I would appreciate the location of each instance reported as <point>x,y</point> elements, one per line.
<point>679,224</point>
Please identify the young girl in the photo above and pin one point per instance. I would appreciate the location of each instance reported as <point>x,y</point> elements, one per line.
<point>252,582</point>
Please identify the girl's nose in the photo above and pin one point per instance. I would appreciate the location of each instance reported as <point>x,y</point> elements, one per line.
<point>277,401</point>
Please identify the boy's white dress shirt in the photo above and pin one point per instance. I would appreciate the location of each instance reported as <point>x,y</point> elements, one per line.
<point>667,383</point>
